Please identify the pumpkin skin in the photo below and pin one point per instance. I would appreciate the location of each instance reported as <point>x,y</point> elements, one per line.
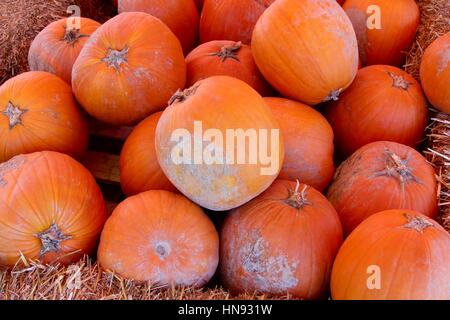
<point>176,244</point>
<point>382,176</point>
<point>39,112</point>
<point>56,48</point>
<point>181,16</point>
<point>128,69</point>
<point>388,44</point>
<point>435,73</point>
<point>308,143</point>
<point>219,103</point>
<point>384,103</point>
<point>139,168</point>
<point>394,241</point>
<point>258,254</point>
<point>307,50</point>
<point>225,58</point>
<point>199,4</point>
<point>56,215</point>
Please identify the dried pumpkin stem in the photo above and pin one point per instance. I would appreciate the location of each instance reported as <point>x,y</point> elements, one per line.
<point>51,239</point>
<point>14,114</point>
<point>399,82</point>
<point>297,199</point>
<point>228,52</point>
<point>417,223</point>
<point>73,35</point>
<point>182,95</point>
<point>115,58</point>
<point>333,96</point>
<point>396,167</point>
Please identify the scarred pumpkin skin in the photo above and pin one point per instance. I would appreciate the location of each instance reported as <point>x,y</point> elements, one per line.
<point>388,44</point>
<point>128,69</point>
<point>220,103</point>
<point>435,73</point>
<point>307,50</point>
<point>282,242</point>
<point>384,103</point>
<point>139,168</point>
<point>176,244</point>
<point>38,112</point>
<point>382,176</point>
<point>51,209</point>
<point>56,48</point>
<point>181,16</point>
<point>227,58</point>
<point>308,143</point>
<point>407,251</point>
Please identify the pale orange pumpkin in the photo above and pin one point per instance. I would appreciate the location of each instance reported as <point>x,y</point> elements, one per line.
<point>56,48</point>
<point>51,209</point>
<point>307,50</point>
<point>308,143</point>
<point>38,112</point>
<point>162,238</point>
<point>394,255</point>
<point>282,242</point>
<point>128,69</point>
<point>435,73</point>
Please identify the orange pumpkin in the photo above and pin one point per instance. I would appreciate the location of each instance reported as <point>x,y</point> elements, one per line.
<point>384,103</point>
<point>128,69</point>
<point>176,244</point>
<point>139,168</point>
<point>56,48</point>
<point>227,58</point>
<point>283,241</point>
<point>382,176</point>
<point>39,112</point>
<point>385,29</point>
<point>394,255</point>
<point>219,143</point>
<point>307,50</point>
<point>181,16</point>
<point>51,209</point>
<point>435,73</point>
<point>199,4</point>
<point>308,143</point>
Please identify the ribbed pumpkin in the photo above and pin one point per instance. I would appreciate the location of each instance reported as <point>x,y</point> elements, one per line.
<point>199,4</point>
<point>56,48</point>
<point>39,112</point>
<point>384,103</point>
<point>162,238</point>
<point>308,143</point>
<point>51,209</point>
<point>139,168</point>
<point>435,73</point>
<point>307,50</point>
<point>181,16</point>
<point>382,176</point>
<point>284,241</point>
<point>225,58</point>
<point>202,143</point>
<point>128,69</point>
<point>386,42</point>
<point>394,255</point>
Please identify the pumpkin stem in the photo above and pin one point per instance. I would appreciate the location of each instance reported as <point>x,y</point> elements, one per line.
<point>162,249</point>
<point>399,82</point>
<point>417,223</point>
<point>115,58</point>
<point>51,239</point>
<point>73,35</point>
<point>297,199</point>
<point>182,95</point>
<point>229,51</point>
<point>333,96</point>
<point>14,114</point>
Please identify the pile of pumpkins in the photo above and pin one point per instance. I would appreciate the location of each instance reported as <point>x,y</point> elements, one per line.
<point>364,231</point>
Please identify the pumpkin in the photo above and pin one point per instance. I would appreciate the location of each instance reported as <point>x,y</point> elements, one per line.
<point>139,168</point>
<point>176,243</point>
<point>385,29</point>
<point>282,242</point>
<point>128,69</point>
<point>219,143</point>
<point>382,176</point>
<point>384,103</point>
<point>56,48</point>
<point>226,58</point>
<point>230,19</point>
<point>199,4</point>
<point>181,16</point>
<point>435,73</point>
<point>308,143</point>
<point>39,112</point>
<point>51,209</point>
<point>394,255</point>
<point>307,50</point>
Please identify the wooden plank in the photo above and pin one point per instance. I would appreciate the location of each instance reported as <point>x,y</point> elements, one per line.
<point>100,129</point>
<point>104,166</point>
